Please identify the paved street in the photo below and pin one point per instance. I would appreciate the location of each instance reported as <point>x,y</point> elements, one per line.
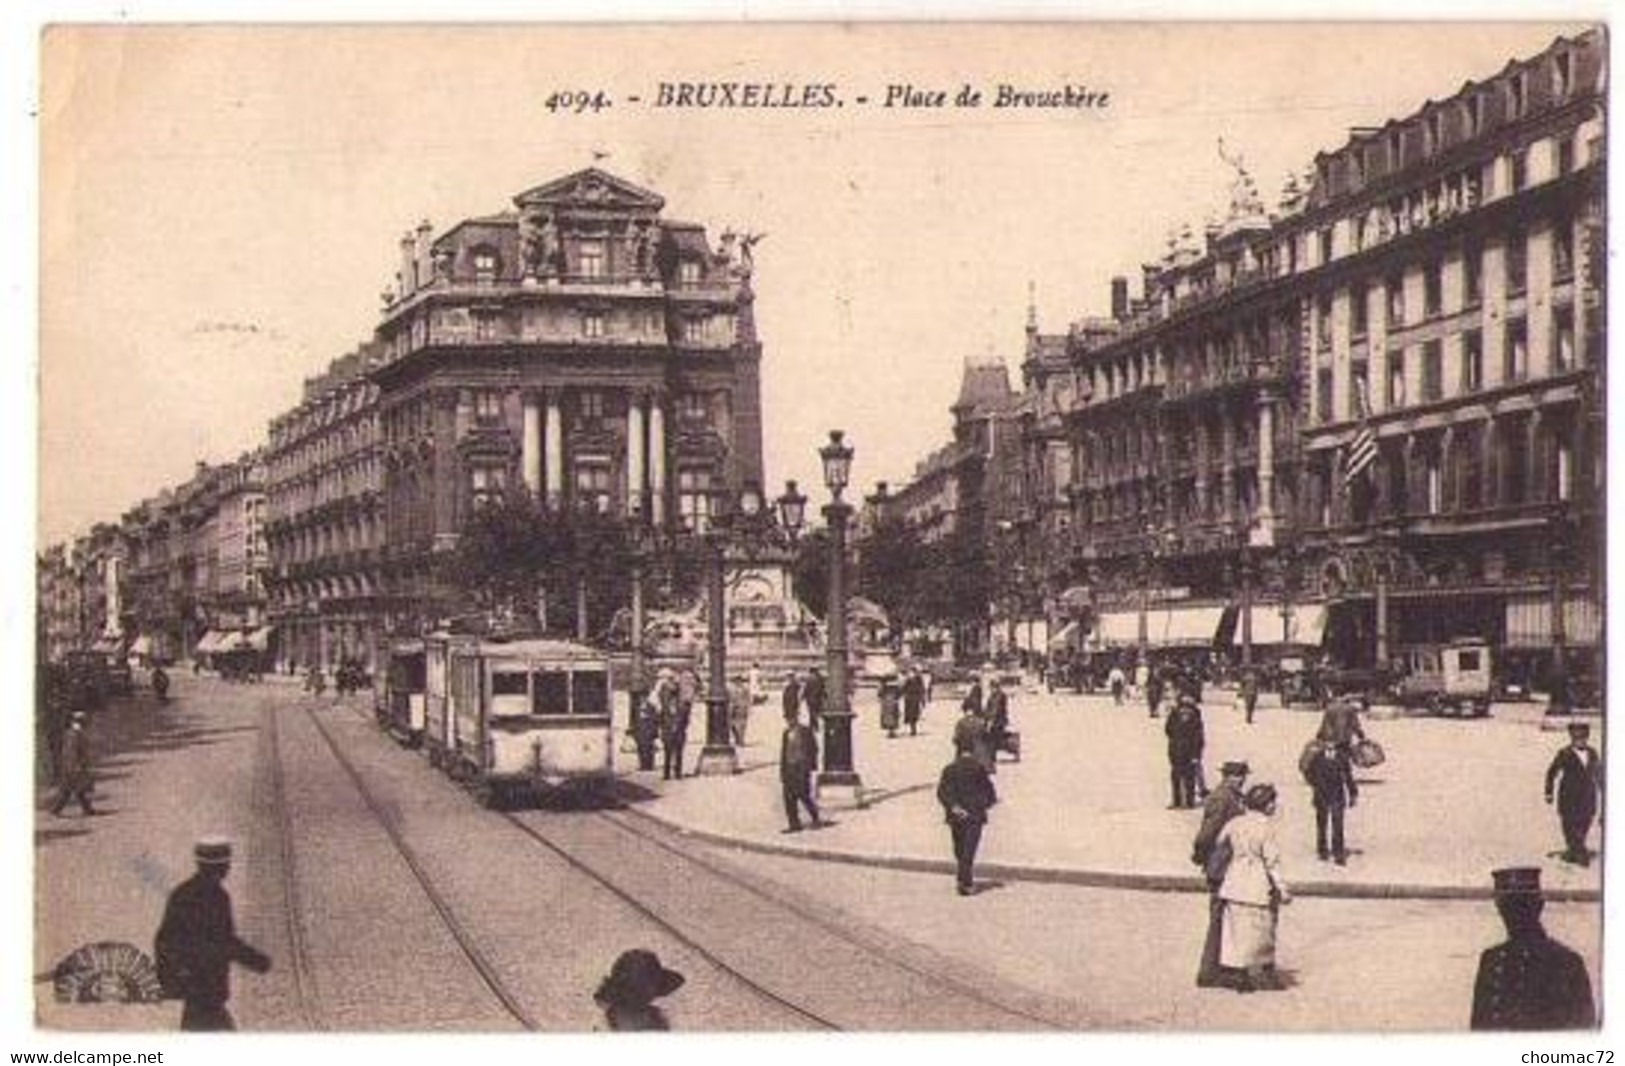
<point>1033,955</point>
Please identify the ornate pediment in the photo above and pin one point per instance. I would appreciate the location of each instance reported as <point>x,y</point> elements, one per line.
<point>593,189</point>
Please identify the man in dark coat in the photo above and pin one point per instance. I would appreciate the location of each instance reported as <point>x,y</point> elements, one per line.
<point>791,697</point>
<point>645,729</point>
<point>1186,738</point>
<point>972,703</point>
<point>1223,803</point>
<point>1340,723</point>
<point>1331,777</point>
<point>674,715</point>
<point>798,758</point>
<point>1576,773</point>
<point>913,701</point>
<point>966,793</point>
<point>1249,692</point>
<point>997,715</point>
<point>1155,687</point>
<point>1530,982</point>
<point>812,694</point>
<point>76,767</point>
<point>197,942</point>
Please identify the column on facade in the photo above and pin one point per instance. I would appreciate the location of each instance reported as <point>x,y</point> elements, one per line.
<point>530,446</point>
<point>1336,487</point>
<point>657,461</point>
<point>1227,462</point>
<point>1199,430</point>
<point>553,449</point>
<point>1412,476</point>
<point>1449,472</point>
<point>1266,458</point>
<point>1534,485</point>
<point>1489,486</point>
<point>635,446</point>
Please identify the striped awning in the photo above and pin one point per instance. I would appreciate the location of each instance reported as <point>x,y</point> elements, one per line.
<point>1304,624</point>
<point>259,639</point>
<point>1529,621</point>
<point>1119,628</point>
<point>210,643</point>
<point>1184,626</point>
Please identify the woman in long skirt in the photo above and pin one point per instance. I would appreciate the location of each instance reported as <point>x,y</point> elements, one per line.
<point>1253,892</point>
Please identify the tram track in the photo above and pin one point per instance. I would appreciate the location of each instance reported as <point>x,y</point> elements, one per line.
<point>306,992</point>
<point>460,934</point>
<point>944,1000</point>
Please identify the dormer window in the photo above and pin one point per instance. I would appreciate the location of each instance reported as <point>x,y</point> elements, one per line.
<point>1395,142</point>
<point>1562,75</point>
<point>688,274</point>
<point>1431,133</point>
<point>1474,105</point>
<point>1518,95</point>
<point>485,263</point>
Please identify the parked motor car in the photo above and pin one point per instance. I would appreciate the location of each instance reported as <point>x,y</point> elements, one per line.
<point>1448,679</point>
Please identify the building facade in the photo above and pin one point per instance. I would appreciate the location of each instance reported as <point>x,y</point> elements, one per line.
<point>1436,284</point>
<point>323,521</point>
<point>580,348</point>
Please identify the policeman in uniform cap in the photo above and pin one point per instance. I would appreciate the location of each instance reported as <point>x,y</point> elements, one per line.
<point>1531,982</point>
<point>197,941</point>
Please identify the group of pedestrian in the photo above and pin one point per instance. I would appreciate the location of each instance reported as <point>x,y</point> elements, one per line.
<point>984,723</point>
<point>902,701</point>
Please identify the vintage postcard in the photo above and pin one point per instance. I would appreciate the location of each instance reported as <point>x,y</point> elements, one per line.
<point>1019,527</point>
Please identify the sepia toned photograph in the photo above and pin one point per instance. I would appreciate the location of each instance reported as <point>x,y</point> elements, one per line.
<point>942,527</point>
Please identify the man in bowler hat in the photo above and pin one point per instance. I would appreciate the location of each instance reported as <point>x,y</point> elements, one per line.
<point>1530,982</point>
<point>1223,803</point>
<point>1576,773</point>
<point>966,793</point>
<point>197,942</point>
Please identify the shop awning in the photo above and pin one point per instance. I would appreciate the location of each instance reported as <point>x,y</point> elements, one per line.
<point>1077,598</point>
<point>1119,629</point>
<point>1304,625</point>
<point>209,644</point>
<point>1064,637</point>
<point>259,639</point>
<point>230,642</point>
<point>142,646</point>
<point>1184,626</point>
<point>107,645</point>
<point>1529,621</point>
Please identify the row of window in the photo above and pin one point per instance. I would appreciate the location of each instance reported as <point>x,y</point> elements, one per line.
<point>593,484</point>
<point>1469,373</point>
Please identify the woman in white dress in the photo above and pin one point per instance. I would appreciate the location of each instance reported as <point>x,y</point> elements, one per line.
<point>1253,892</point>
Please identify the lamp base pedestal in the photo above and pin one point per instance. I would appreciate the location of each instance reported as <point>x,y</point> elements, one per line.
<point>717,761</point>
<point>840,790</point>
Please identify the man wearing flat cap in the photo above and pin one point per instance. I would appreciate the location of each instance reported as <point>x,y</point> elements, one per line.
<point>1530,982</point>
<point>197,942</point>
<point>1222,804</point>
<point>1576,773</point>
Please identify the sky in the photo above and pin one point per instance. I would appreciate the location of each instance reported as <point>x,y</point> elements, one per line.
<point>220,205</point>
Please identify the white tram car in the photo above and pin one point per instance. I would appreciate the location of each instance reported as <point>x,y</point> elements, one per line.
<point>400,699</point>
<point>525,715</point>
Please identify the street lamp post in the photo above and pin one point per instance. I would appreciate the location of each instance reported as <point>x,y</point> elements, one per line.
<point>1246,608</point>
<point>639,684</point>
<point>838,773</point>
<point>1560,556</point>
<point>718,755</point>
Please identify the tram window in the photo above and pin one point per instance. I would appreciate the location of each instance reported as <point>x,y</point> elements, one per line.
<point>1468,660</point>
<point>508,693</point>
<point>552,692</point>
<point>590,689</point>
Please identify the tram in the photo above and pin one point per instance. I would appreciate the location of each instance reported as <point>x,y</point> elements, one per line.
<point>399,703</point>
<point>525,715</point>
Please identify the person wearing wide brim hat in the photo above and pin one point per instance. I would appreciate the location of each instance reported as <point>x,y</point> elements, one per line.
<point>1530,981</point>
<point>1224,803</point>
<point>197,941</point>
<point>1575,776</point>
<point>627,995</point>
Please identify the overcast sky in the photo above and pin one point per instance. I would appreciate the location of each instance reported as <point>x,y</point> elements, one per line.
<point>220,206</point>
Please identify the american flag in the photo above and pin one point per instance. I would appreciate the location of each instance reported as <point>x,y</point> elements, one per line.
<point>1363,448</point>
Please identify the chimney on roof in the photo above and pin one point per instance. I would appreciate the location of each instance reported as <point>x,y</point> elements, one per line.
<point>425,268</point>
<point>408,272</point>
<point>1119,298</point>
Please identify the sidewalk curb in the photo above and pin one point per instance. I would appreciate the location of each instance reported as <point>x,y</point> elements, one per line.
<point>1098,878</point>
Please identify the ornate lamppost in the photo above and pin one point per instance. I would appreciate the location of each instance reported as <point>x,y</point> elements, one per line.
<point>639,685</point>
<point>838,773</point>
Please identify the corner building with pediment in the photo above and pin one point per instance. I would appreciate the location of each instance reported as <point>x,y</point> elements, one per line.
<point>580,347</point>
